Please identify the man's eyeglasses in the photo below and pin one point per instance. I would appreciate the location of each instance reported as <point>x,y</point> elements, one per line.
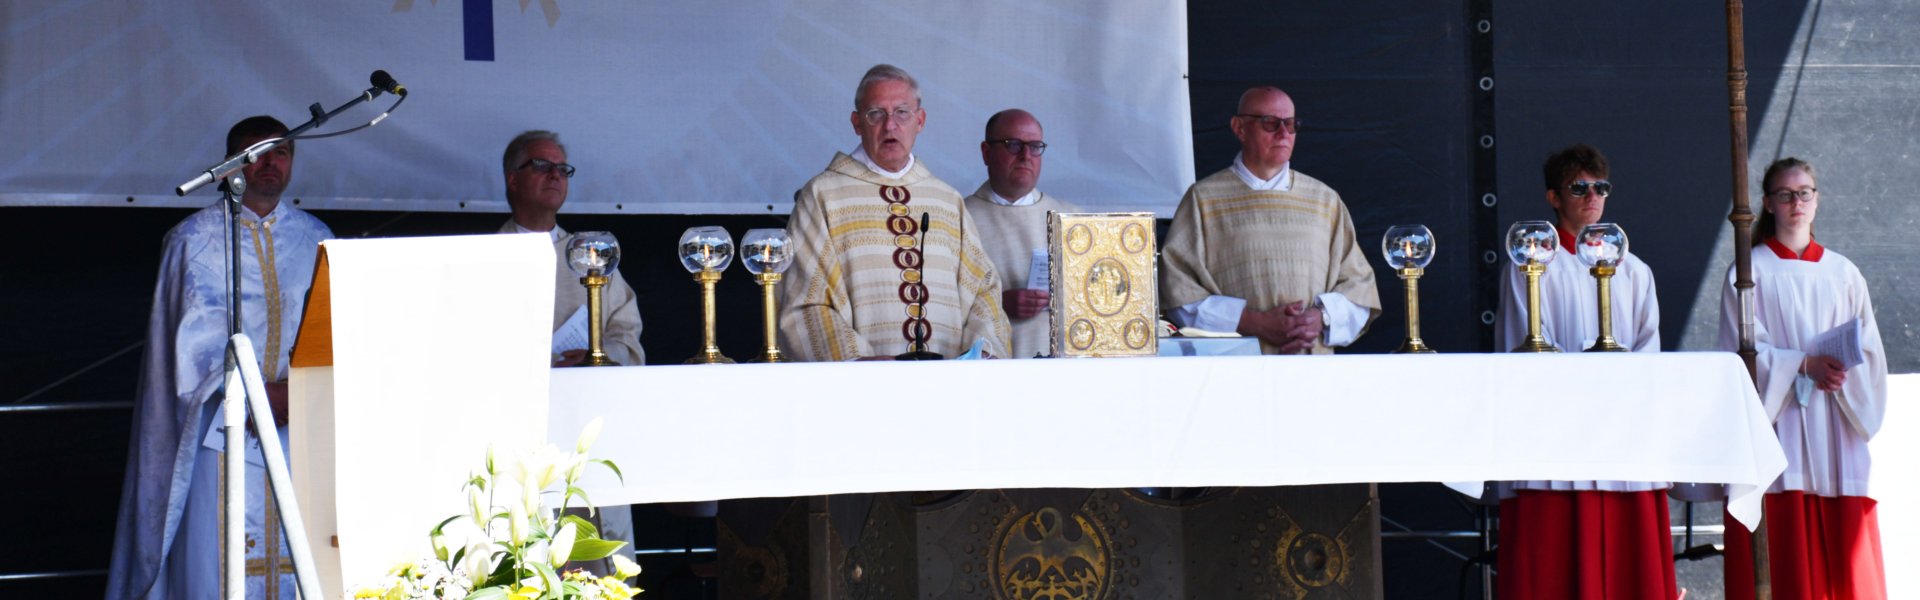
<point>901,115</point>
<point>1013,146</point>
<point>1580,188</point>
<point>1800,195</point>
<point>546,166</point>
<point>1272,124</point>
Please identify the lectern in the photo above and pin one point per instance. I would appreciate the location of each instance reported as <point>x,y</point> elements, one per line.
<point>414,354</point>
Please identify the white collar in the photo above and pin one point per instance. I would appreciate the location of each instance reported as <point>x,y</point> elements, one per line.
<point>1032,197</point>
<point>552,234</point>
<point>247,214</point>
<point>860,154</point>
<point>1282,182</point>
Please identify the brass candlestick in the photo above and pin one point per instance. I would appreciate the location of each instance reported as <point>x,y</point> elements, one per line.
<point>1534,342</point>
<point>1603,274</point>
<point>710,353</point>
<point>592,255</point>
<point>770,315</point>
<point>1413,345</point>
<point>596,356</point>
<point>1603,246</point>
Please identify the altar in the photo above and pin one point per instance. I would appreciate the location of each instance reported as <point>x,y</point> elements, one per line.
<point>1186,476</point>
<point>1069,462</point>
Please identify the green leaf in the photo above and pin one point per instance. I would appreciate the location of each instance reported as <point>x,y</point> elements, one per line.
<point>443,524</point>
<point>488,593</point>
<point>586,529</point>
<point>574,492</point>
<point>551,578</point>
<point>594,549</point>
<point>616,468</point>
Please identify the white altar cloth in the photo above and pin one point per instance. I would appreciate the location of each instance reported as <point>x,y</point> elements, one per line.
<point>704,432</point>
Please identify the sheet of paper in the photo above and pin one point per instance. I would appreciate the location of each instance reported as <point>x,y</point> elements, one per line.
<point>573,334</point>
<point>1038,275</point>
<point>1842,343</point>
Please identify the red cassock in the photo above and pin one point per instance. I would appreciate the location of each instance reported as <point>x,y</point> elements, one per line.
<point>1823,537</point>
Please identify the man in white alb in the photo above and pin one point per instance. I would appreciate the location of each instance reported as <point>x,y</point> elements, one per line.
<point>537,174</point>
<point>168,543</point>
<point>1261,249</point>
<point>1011,213</point>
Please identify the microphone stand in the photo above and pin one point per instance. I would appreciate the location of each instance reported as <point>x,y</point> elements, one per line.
<point>232,188</point>
<point>918,349</point>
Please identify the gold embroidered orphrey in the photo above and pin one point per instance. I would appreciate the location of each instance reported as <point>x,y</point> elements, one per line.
<point>1104,285</point>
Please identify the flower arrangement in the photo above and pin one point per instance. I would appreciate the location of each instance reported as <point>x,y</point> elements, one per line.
<point>517,551</point>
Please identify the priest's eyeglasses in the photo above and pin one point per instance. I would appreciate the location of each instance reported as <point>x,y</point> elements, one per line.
<point>901,115</point>
<point>1579,188</point>
<point>1789,196</point>
<point>546,166</point>
<point>1014,147</point>
<point>1272,124</point>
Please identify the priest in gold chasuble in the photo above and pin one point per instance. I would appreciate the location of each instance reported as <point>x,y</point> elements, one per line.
<point>867,280</point>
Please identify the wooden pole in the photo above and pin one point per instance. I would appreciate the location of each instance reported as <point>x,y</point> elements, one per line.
<point>1742,219</point>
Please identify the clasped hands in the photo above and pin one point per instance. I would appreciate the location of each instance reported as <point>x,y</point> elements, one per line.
<point>1827,373</point>
<point>1293,327</point>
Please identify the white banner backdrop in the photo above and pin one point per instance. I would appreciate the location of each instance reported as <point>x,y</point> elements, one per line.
<point>666,106</point>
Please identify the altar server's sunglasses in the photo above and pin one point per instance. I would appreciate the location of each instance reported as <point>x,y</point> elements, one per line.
<point>1579,188</point>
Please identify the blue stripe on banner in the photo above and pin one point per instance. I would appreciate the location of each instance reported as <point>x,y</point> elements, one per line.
<point>477,20</point>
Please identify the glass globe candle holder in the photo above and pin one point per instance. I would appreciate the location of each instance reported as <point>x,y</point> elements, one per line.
<point>1602,246</point>
<point>1531,245</point>
<point>1408,249</point>
<point>767,253</point>
<point>705,252</point>
<point>593,255</point>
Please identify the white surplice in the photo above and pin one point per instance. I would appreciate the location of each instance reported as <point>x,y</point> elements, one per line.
<point>1570,320</point>
<point>1824,434</point>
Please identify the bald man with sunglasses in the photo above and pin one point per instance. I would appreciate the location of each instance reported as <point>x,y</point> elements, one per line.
<point>1583,539</point>
<point>1261,249</point>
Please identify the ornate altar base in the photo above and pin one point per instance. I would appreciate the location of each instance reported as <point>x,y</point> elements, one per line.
<point>1055,544</point>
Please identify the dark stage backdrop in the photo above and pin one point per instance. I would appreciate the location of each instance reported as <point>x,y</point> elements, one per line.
<point>1415,112</point>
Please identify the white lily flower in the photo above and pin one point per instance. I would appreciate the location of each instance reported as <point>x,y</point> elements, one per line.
<point>478,563</point>
<point>579,468</point>
<point>563,544</point>
<point>540,466</point>
<point>623,567</point>
<point>588,435</point>
<point>477,505</point>
<point>517,524</point>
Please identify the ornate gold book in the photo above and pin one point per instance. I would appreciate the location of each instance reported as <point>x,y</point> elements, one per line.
<point>1101,274</point>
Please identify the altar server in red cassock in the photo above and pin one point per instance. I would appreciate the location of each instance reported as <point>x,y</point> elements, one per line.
<point>1823,533</point>
<point>1583,539</point>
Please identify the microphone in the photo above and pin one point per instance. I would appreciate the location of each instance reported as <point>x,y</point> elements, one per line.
<point>918,349</point>
<point>384,82</point>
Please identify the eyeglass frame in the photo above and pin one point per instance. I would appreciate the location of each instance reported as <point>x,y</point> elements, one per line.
<point>1016,146</point>
<point>1578,187</point>
<point>1291,124</point>
<point>1803,195</point>
<point>544,166</point>
<point>900,114</point>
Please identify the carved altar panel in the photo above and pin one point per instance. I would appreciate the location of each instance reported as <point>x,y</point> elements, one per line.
<point>1306,542</point>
